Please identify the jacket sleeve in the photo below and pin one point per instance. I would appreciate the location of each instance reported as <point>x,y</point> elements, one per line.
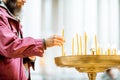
<point>11,46</point>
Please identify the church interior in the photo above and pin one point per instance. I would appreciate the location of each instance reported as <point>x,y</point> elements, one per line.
<point>91,29</point>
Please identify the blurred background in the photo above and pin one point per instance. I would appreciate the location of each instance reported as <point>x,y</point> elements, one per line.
<point>43,18</point>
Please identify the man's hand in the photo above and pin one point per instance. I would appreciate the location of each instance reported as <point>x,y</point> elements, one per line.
<point>32,58</point>
<point>54,41</point>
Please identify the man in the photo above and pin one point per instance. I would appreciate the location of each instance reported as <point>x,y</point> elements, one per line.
<point>13,47</point>
<point>111,74</point>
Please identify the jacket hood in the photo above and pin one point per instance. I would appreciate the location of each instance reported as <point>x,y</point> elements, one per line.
<point>4,6</point>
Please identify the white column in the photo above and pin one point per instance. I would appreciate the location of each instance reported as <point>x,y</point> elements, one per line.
<point>90,23</point>
<point>32,27</point>
<point>31,18</point>
<point>104,18</point>
<point>46,18</point>
<point>114,23</point>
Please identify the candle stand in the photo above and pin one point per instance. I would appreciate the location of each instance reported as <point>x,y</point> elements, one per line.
<point>91,64</point>
<point>99,61</point>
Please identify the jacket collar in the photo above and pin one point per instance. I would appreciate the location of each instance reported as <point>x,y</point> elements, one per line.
<point>10,15</point>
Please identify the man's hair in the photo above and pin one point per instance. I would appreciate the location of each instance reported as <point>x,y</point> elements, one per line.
<point>12,7</point>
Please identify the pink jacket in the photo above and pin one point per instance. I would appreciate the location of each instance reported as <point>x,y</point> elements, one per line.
<point>13,48</point>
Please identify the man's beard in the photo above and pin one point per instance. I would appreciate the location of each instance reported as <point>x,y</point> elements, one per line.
<point>13,8</point>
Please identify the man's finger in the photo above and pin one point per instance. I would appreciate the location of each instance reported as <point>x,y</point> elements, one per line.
<point>59,37</point>
<point>58,41</point>
<point>57,44</point>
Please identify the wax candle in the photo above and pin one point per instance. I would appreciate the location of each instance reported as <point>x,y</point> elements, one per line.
<point>93,51</point>
<point>98,51</point>
<point>63,53</point>
<point>80,45</point>
<point>114,50</point>
<point>104,53</point>
<point>95,39</point>
<point>63,33</point>
<point>108,51</point>
<point>85,43</point>
<point>77,44</point>
<point>101,51</point>
<point>73,46</point>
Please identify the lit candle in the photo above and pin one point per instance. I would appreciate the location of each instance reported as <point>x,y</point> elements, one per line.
<point>85,43</point>
<point>96,44</point>
<point>73,46</point>
<point>108,51</point>
<point>63,53</point>
<point>77,44</point>
<point>80,45</point>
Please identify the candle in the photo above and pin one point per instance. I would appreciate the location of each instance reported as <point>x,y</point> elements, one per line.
<point>85,43</point>
<point>93,51</point>
<point>101,51</point>
<point>63,53</point>
<point>104,53</point>
<point>98,51</point>
<point>108,51</point>
<point>80,45</point>
<point>73,46</point>
<point>77,44</point>
<point>114,51</point>
<point>95,44</point>
<point>63,33</point>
